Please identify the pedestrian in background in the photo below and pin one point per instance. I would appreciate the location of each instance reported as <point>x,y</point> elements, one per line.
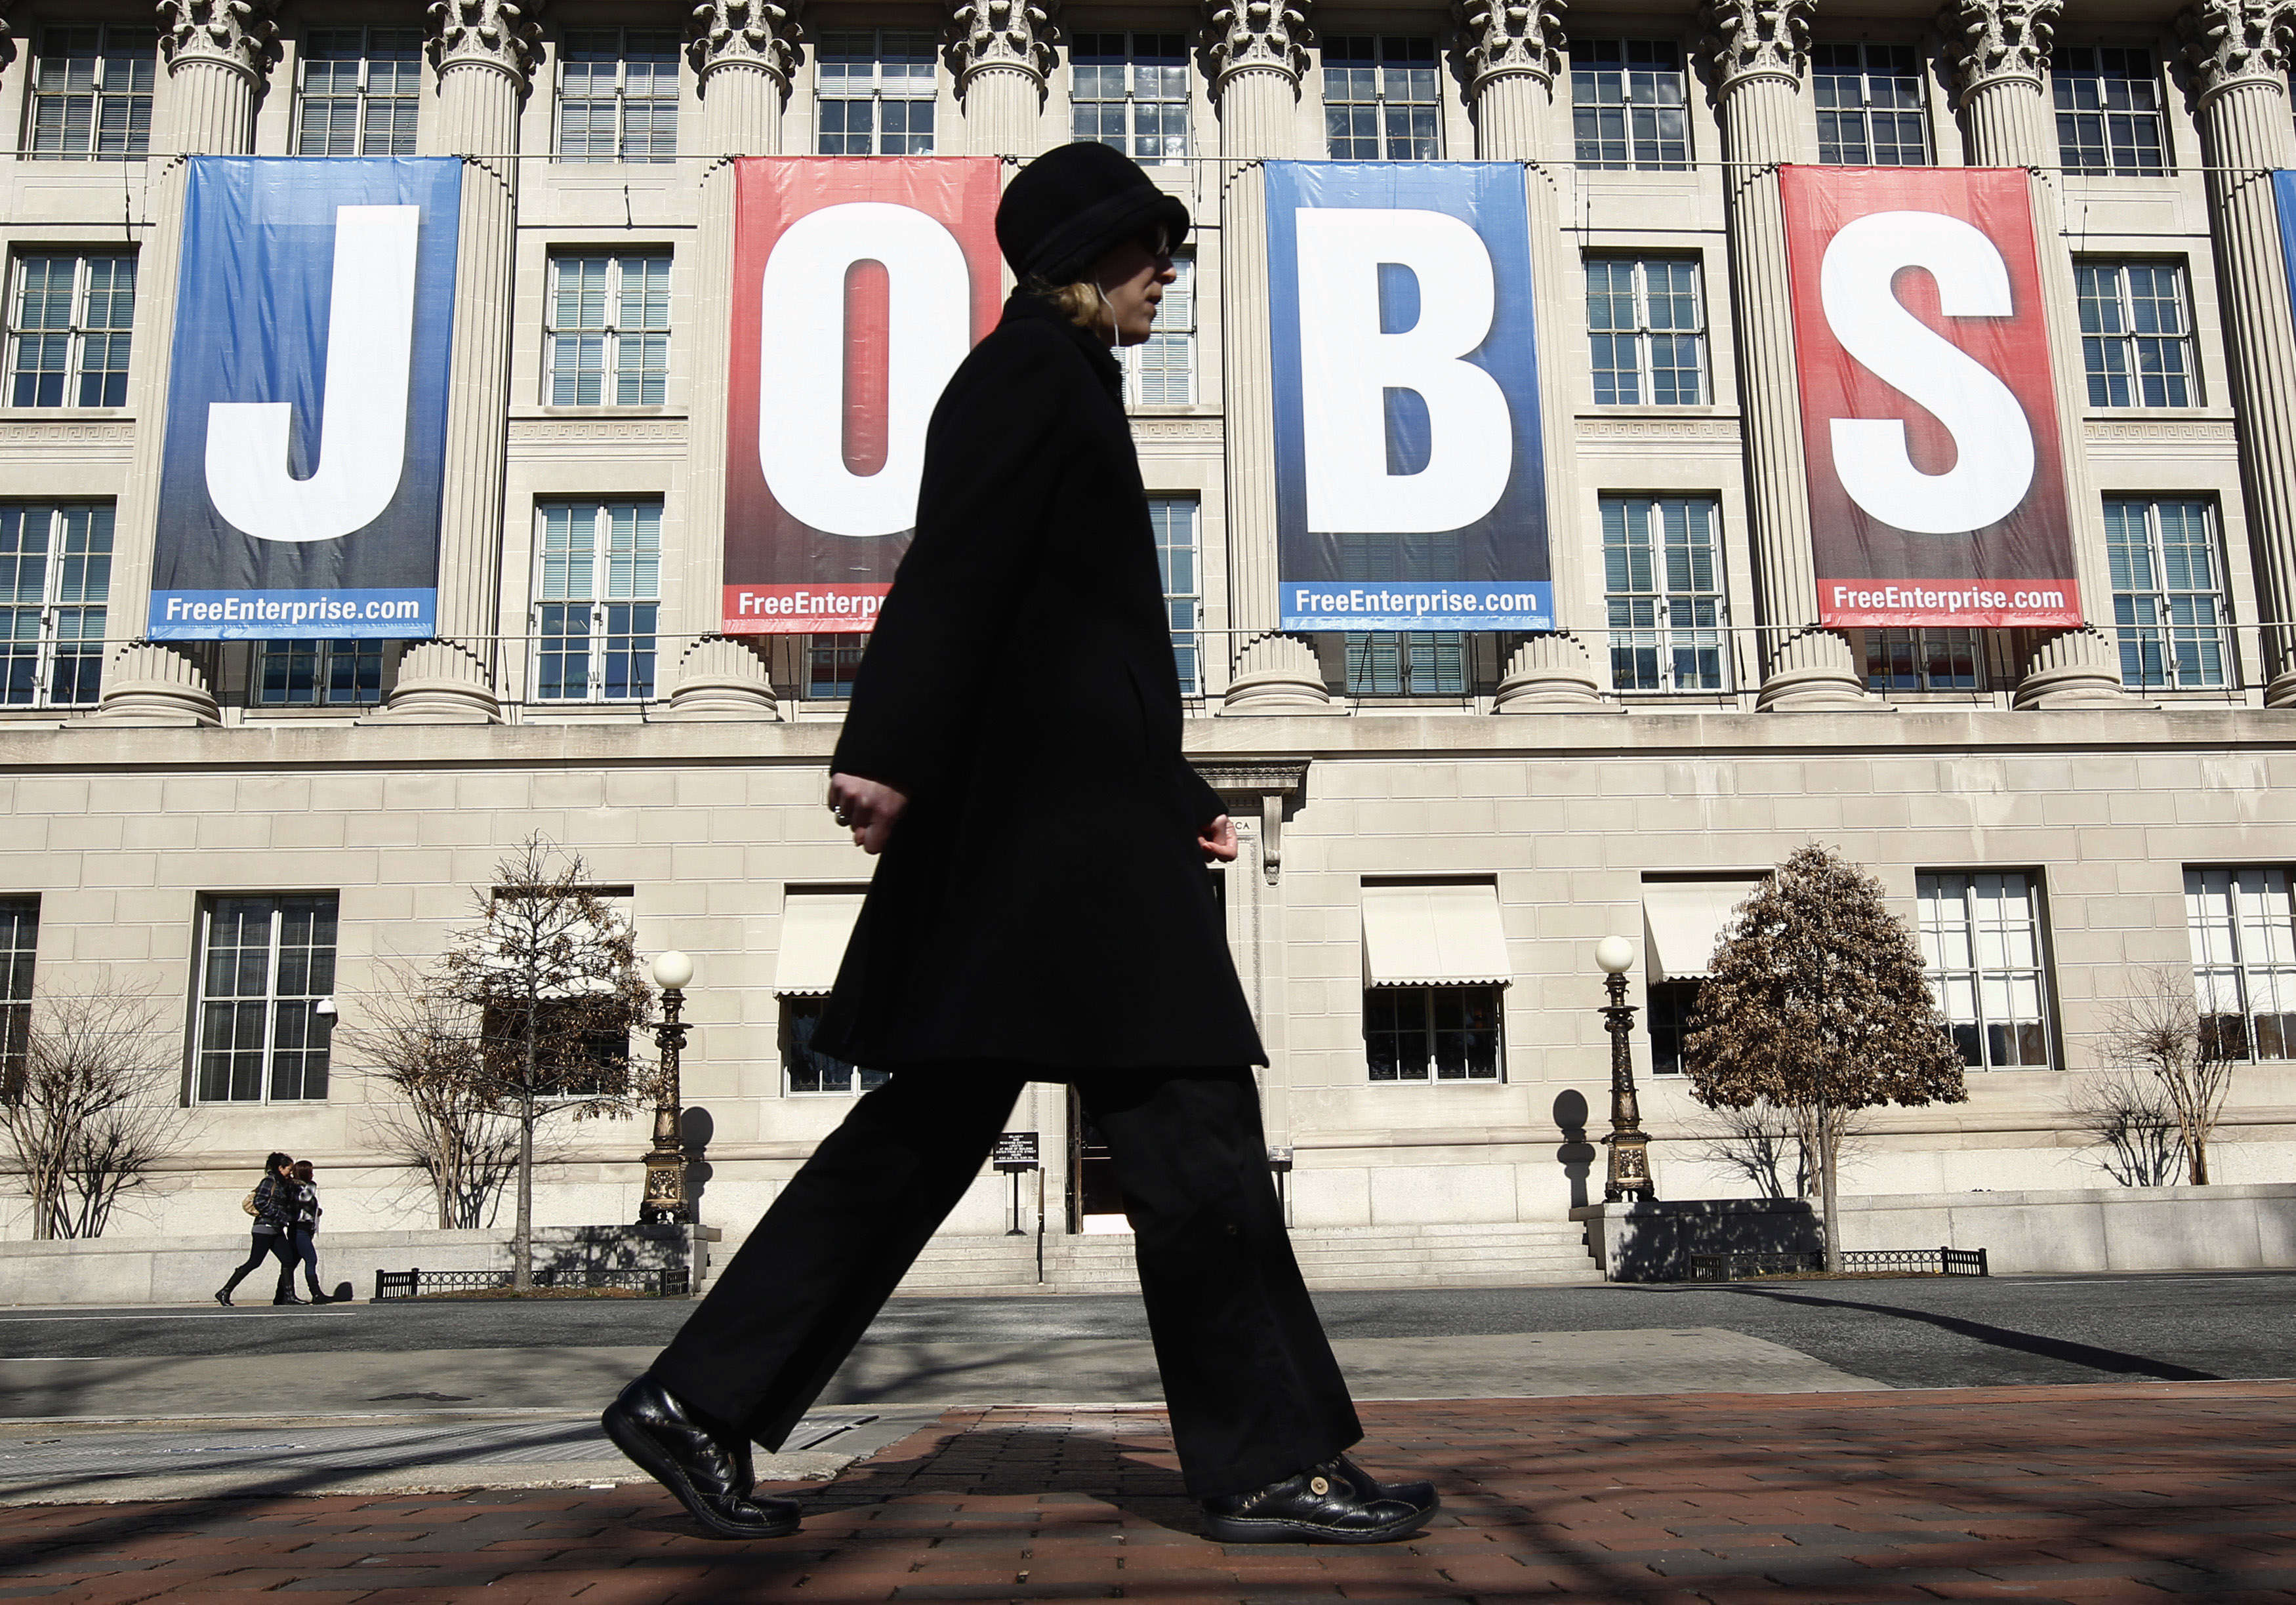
<point>273,1205</point>
<point>307,1228</point>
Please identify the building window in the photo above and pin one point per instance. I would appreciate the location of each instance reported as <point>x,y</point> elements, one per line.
<point>617,95</point>
<point>812,1072</point>
<point>1161,371</point>
<point>56,576</point>
<point>2167,594</point>
<point>1131,91</point>
<point>1923,660</point>
<point>318,673</point>
<point>1627,103</point>
<point>266,963</point>
<point>597,593</point>
<point>2136,334</point>
<point>1414,663</point>
<point>1982,943</point>
<point>832,662</point>
<point>92,93</point>
<point>1433,1033</point>
<point>1869,106</point>
<point>1174,521</point>
<point>607,341</point>
<point>71,320</point>
<point>361,86</point>
<point>1379,99</point>
<point>1647,327</point>
<point>2108,111</point>
<point>1662,585</point>
<point>874,92</point>
<point>20,941</point>
<point>2243,932</point>
<point>1671,1004</point>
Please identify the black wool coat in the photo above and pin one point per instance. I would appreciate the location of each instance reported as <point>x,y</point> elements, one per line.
<point>1042,900</point>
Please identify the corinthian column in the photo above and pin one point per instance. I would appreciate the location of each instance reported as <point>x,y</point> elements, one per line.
<point>1760,49</point>
<point>743,54</point>
<point>218,54</point>
<point>1512,50</point>
<point>2238,51</point>
<point>2000,55</point>
<point>1003,52</point>
<point>1255,49</point>
<point>484,51</point>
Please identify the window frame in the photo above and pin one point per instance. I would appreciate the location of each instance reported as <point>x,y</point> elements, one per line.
<point>2131,340</point>
<point>909,89</point>
<point>1383,107</point>
<point>1919,646</point>
<point>1587,151</point>
<point>621,98</point>
<point>838,654</point>
<point>2164,632</point>
<point>135,136</point>
<point>1183,607</point>
<point>2210,972</point>
<point>596,641</point>
<point>1491,994</point>
<point>362,97</point>
<point>1865,111</point>
<point>1658,637</point>
<point>1643,335</point>
<point>1978,974</point>
<point>271,1000</point>
<point>77,330</point>
<point>327,655</point>
<point>2062,78</point>
<point>1173,331</point>
<point>1136,143</point>
<point>1671,1025</point>
<point>797,1044</point>
<point>53,607</point>
<point>614,339</point>
<point>20,959</point>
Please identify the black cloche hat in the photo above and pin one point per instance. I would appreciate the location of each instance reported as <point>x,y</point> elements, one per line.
<point>1071,205</point>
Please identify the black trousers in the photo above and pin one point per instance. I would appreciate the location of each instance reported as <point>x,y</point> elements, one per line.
<point>307,1252</point>
<point>269,1243</point>
<point>1253,1390</point>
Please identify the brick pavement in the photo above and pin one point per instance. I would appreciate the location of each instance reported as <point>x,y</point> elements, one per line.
<point>2094,1494</point>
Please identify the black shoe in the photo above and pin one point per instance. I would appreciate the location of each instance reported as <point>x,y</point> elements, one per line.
<point>1334,1502</point>
<point>710,1477</point>
<point>318,1298</point>
<point>222,1297</point>
<point>286,1298</point>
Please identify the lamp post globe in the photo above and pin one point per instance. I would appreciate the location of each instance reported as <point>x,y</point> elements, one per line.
<point>672,970</point>
<point>1614,955</point>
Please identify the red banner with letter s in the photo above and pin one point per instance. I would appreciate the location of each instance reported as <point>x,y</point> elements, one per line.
<point>859,287</point>
<point>1937,486</point>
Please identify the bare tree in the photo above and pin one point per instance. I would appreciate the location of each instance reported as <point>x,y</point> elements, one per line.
<point>2131,1127</point>
<point>550,972</point>
<point>85,1116</point>
<point>1816,1001</point>
<point>2158,1033</point>
<point>1776,1148</point>
<point>424,1045</point>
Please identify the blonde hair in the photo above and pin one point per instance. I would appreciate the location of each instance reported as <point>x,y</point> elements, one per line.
<point>1080,302</point>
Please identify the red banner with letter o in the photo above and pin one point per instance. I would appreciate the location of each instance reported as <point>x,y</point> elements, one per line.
<point>1937,485</point>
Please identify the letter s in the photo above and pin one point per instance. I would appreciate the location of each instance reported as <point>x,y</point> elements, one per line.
<point>1989,429</point>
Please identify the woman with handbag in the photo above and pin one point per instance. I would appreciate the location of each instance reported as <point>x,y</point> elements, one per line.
<point>272,1206</point>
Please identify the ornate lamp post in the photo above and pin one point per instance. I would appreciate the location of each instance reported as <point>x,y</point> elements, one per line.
<point>665,1167</point>
<point>1629,1172</point>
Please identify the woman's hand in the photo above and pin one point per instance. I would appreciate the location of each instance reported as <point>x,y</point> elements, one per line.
<point>1217,839</point>
<point>868,809</point>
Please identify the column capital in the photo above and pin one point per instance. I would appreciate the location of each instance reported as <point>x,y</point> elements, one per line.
<point>758,35</point>
<point>1990,40</point>
<point>1751,39</point>
<point>2228,43</point>
<point>503,34</point>
<point>240,35</point>
<point>1014,36</point>
<point>1509,38</point>
<point>1258,36</point>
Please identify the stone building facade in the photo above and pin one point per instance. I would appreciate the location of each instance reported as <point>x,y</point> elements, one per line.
<point>1435,829</point>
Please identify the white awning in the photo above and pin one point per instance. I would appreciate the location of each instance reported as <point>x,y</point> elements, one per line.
<point>815,927</point>
<point>1684,921</point>
<point>1433,936</point>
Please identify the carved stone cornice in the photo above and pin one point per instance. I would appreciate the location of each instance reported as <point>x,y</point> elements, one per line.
<point>1750,39</point>
<point>1988,40</point>
<point>2232,42</point>
<point>239,35</point>
<point>501,34</point>
<point>757,34</point>
<point>1509,38</point>
<point>1275,781</point>
<point>1266,35</point>
<point>1015,36</point>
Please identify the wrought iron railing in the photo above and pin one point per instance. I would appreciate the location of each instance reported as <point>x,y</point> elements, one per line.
<point>1740,1265</point>
<point>656,1282</point>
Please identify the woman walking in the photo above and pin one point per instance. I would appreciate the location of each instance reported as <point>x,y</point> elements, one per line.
<point>274,1204</point>
<point>1042,913</point>
<point>307,1229</point>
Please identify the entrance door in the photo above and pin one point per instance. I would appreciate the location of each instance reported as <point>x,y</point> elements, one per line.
<point>1095,1203</point>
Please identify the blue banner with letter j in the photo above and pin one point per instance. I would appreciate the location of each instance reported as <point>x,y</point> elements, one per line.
<point>1410,465</point>
<point>305,445</point>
